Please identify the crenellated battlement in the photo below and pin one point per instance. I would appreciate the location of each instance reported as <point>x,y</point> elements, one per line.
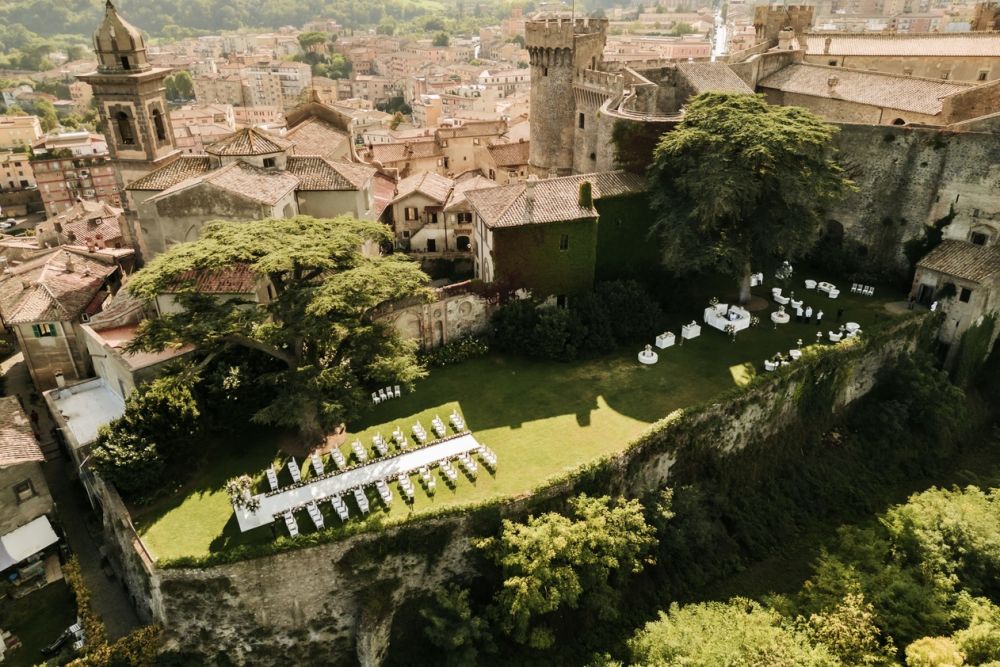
<point>602,82</point>
<point>561,32</point>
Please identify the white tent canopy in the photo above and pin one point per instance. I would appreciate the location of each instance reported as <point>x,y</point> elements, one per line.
<point>26,541</point>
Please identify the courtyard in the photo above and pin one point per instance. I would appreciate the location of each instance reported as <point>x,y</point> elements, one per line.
<point>542,419</point>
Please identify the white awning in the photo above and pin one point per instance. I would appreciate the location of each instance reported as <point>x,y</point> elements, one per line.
<point>26,541</point>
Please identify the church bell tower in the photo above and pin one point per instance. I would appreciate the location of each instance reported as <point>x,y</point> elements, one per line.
<point>131,99</point>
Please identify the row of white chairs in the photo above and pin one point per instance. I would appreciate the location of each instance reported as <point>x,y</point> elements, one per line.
<point>456,421</point>
<point>864,290</point>
<point>386,394</point>
<point>419,433</point>
<point>438,427</point>
<point>467,462</point>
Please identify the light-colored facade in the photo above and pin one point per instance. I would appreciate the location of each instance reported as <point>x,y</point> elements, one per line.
<point>19,131</point>
<point>16,172</point>
<point>74,166</point>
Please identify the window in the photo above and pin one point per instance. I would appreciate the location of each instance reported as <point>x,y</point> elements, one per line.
<point>564,242</point>
<point>832,63</point>
<point>269,163</point>
<point>124,124</point>
<point>44,330</point>
<point>431,245</point>
<point>410,213</point>
<point>406,233</point>
<point>945,75</point>
<point>125,63</point>
<point>493,175</point>
<point>965,295</point>
<point>465,218</point>
<point>545,71</point>
<point>24,491</point>
<point>908,71</point>
<point>983,74</point>
<point>581,121</point>
<point>161,130</point>
<point>978,238</point>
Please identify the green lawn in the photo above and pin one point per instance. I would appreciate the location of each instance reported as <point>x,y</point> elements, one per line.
<point>541,418</point>
<point>37,620</point>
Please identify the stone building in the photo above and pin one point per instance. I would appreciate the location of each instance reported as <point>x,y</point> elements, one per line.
<point>130,98</point>
<point>417,211</point>
<point>508,163</point>
<point>46,300</point>
<point>958,56</point>
<point>542,235</point>
<point>16,172</point>
<point>249,175</point>
<point>24,495</point>
<point>457,311</point>
<point>19,131</point>
<point>964,278</point>
<point>560,50</point>
<point>89,224</point>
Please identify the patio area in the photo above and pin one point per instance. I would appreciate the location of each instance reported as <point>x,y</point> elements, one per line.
<point>542,419</point>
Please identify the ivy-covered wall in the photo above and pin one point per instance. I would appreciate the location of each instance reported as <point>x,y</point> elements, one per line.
<point>625,247</point>
<point>530,256</point>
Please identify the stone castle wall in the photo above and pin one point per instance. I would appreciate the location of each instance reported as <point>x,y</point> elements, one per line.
<point>333,603</point>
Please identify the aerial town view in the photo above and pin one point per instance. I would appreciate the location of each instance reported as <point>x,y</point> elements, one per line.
<point>596,333</point>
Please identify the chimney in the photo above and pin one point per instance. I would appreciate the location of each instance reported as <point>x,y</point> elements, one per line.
<point>69,263</point>
<point>529,199</point>
<point>60,380</point>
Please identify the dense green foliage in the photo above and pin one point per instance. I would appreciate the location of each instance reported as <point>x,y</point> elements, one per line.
<point>555,562</point>
<point>741,183</point>
<point>318,325</point>
<point>158,429</point>
<point>617,312</point>
<point>179,86</point>
<point>739,632</point>
<point>456,351</point>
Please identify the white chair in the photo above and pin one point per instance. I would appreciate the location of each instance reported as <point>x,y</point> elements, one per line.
<point>396,392</point>
<point>381,395</point>
<point>835,337</point>
<point>854,288</point>
<point>317,462</point>
<point>871,291</point>
<point>338,458</point>
<point>293,468</point>
<point>810,284</point>
<point>783,300</point>
<point>770,366</point>
<point>375,399</point>
<point>833,294</point>
<point>359,451</point>
<point>272,479</point>
<point>291,524</point>
<point>795,354</point>
<point>315,515</point>
<point>796,304</point>
<point>775,292</point>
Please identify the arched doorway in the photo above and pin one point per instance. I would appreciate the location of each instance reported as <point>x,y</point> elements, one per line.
<point>124,124</point>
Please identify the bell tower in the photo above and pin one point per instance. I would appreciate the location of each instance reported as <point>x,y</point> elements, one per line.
<point>131,99</point>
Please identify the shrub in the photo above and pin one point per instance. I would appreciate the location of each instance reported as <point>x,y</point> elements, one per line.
<point>456,351</point>
<point>934,652</point>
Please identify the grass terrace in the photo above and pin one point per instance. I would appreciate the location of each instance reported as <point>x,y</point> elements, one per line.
<point>542,419</point>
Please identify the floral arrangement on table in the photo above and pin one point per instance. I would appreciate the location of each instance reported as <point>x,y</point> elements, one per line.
<point>714,301</point>
<point>754,321</point>
<point>731,330</point>
<point>238,490</point>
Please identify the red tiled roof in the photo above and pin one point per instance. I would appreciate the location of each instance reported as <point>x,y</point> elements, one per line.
<point>248,141</point>
<point>550,200</point>
<point>17,439</point>
<point>965,260</point>
<point>318,173</point>
<point>238,279</point>
<point>510,155</point>
<point>169,175</point>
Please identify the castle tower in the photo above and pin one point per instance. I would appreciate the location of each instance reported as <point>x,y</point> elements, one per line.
<point>560,49</point>
<point>131,99</point>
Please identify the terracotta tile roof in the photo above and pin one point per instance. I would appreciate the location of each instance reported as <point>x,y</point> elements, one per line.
<point>54,288</point>
<point>713,78</point>
<point>428,183</point>
<point>399,152</point>
<point>473,129</point>
<point>262,185</point>
<point>169,175</point>
<point>318,173</point>
<point>964,260</point>
<point>552,200</point>
<point>457,198</point>
<point>248,141</point>
<point>17,439</point>
<point>86,222</point>
<point>237,279</point>
<point>958,44</point>
<point>383,190</point>
<point>510,155</point>
<point>892,91</point>
<point>315,136</point>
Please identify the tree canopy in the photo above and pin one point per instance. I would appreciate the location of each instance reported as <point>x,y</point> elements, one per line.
<point>740,182</point>
<point>318,325</point>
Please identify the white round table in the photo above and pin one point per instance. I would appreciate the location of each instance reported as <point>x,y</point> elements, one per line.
<point>648,357</point>
<point>779,317</point>
<point>852,326</point>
